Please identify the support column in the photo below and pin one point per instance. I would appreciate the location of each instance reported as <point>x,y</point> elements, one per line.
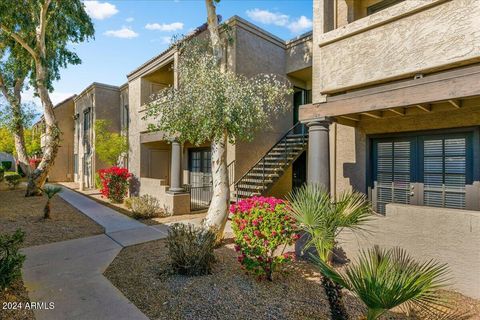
<point>318,171</point>
<point>176,169</point>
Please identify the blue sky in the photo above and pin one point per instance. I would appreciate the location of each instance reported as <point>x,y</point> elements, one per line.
<point>127,33</point>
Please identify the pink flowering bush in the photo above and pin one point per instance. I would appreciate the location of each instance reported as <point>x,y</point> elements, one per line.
<point>115,183</point>
<point>262,230</point>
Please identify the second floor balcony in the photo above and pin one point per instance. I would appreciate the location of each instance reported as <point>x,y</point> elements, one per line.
<point>406,39</point>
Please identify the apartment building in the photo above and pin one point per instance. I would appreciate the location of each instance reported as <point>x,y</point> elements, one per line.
<point>395,114</point>
<point>63,167</point>
<point>180,175</point>
<point>96,102</point>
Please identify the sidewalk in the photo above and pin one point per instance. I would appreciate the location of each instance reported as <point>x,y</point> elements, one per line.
<point>70,273</point>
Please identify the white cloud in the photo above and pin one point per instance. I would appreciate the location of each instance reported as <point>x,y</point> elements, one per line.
<point>130,19</point>
<point>268,17</point>
<point>174,26</point>
<point>100,10</point>
<point>300,25</point>
<point>124,32</point>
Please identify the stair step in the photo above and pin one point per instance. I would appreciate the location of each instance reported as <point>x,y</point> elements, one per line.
<point>267,169</point>
<point>268,175</point>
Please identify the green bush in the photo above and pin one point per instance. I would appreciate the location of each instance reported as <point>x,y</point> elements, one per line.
<point>191,249</point>
<point>145,207</point>
<point>11,260</point>
<point>12,179</point>
<point>2,173</point>
<point>7,165</point>
<point>98,181</point>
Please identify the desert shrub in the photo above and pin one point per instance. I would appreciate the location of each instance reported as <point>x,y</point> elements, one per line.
<point>50,191</point>
<point>98,181</point>
<point>2,173</point>
<point>263,228</point>
<point>11,260</point>
<point>145,207</point>
<point>12,179</point>
<point>115,182</point>
<point>7,165</point>
<point>191,249</point>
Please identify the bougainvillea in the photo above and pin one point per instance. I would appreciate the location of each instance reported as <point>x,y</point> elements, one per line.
<point>262,230</point>
<point>115,183</point>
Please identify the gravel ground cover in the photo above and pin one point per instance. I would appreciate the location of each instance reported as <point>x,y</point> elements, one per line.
<point>15,297</point>
<point>141,273</point>
<point>66,223</point>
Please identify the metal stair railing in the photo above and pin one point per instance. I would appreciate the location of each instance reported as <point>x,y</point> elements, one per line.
<point>292,132</point>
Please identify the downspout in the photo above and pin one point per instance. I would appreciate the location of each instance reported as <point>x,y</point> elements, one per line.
<point>334,162</point>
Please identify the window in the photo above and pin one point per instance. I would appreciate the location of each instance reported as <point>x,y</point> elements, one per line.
<point>200,166</point>
<point>87,123</point>
<point>381,6</point>
<point>432,170</point>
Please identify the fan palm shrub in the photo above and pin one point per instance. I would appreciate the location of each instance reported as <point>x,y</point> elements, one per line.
<point>384,279</point>
<point>50,192</point>
<point>322,219</point>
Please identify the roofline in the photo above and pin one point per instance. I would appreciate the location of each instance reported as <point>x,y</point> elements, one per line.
<point>301,38</point>
<point>95,85</point>
<point>73,96</point>
<point>123,86</point>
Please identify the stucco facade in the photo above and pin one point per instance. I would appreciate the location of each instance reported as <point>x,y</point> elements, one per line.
<point>394,91</point>
<point>97,102</point>
<point>63,167</point>
<point>253,51</point>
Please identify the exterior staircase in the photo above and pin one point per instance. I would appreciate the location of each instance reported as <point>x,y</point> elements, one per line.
<point>261,176</point>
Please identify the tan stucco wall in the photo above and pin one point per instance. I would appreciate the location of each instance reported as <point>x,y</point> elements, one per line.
<point>62,170</point>
<point>104,101</point>
<point>446,235</point>
<point>396,43</point>
<point>256,55</point>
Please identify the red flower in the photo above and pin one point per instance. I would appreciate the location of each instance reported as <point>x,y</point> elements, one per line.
<point>237,247</point>
<point>274,233</point>
<point>257,233</point>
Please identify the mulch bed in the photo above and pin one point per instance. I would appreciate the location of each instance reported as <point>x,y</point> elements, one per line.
<point>141,272</point>
<point>18,297</point>
<point>66,222</point>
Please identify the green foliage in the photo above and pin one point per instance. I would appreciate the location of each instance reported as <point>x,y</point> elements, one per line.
<point>384,279</point>
<point>51,191</point>
<point>68,23</point>
<point>109,146</point>
<point>98,181</point>
<point>262,229</point>
<point>6,141</point>
<point>32,143</point>
<point>11,260</point>
<point>2,173</point>
<point>191,249</point>
<point>12,179</point>
<point>323,219</point>
<point>210,102</point>
<point>7,165</point>
<point>145,207</point>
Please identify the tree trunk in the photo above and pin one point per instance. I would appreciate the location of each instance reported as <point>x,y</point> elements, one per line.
<point>52,136</point>
<point>334,295</point>
<point>17,127</point>
<point>218,211</point>
<point>46,210</point>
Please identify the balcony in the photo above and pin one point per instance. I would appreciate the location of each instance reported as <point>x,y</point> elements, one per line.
<point>409,38</point>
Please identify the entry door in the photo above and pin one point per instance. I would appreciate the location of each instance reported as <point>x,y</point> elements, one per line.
<point>393,172</point>
<point>159,164</point>
<point>299,168</point>
<point>200,167</point>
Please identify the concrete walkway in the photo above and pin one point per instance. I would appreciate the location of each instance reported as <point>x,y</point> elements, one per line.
<point>70,273</point>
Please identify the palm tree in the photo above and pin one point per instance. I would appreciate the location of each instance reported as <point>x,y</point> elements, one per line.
<point>50,192</point>
<point>322,219</point>
<point>384,279</point>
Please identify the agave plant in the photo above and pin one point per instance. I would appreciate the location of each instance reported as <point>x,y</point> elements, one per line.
<point>322,219</point>
<point>384,279</point>
<point>50,192</point>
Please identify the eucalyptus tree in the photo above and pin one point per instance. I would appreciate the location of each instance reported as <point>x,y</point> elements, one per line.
<point>15,66</point>
<point>213,104</point>
<point>45,29</point>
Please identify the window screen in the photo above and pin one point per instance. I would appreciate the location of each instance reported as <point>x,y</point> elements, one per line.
<point>445,172</point>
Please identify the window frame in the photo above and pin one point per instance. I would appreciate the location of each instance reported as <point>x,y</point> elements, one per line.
<point>472,161</point>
